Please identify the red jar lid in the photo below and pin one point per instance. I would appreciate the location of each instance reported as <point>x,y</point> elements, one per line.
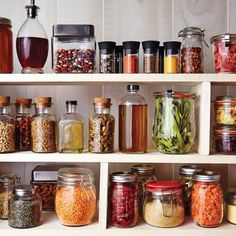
<point>163,186</point>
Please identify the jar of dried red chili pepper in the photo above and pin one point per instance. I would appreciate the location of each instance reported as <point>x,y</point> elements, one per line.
<point>207,200</point>
<point>123,196</point>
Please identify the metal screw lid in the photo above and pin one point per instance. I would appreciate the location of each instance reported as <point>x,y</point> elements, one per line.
<point>123,177</point>
<point>190,169</point>
<point>143,169</point>
<point>23,190</point>
<point>5,21</point>
<point>6,180</point>
<point>207,176</point>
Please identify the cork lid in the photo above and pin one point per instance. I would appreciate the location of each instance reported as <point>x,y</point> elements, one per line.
<point>26,102</point>
<point>4,101</point>
<point>104,102</point>
<point>43,101</point>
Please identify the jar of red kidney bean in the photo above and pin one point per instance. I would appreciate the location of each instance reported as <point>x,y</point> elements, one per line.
<point>123,197</point>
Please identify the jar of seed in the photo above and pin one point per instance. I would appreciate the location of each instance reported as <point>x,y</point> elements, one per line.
<point>43,126</point>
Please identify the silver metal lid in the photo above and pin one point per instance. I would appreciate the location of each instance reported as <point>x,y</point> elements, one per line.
<point>191,31</point>
<point>23,190</point>
<point>143,169</point>
<point>190,169</point>
<point>207,176</point>
<point>123,177</point>
<point>45,173</point>
<point>231,196</point>
<point>9,179</point>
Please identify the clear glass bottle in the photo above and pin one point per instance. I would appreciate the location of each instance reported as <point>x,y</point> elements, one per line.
<point>75,200</point>
<point>101,127</point>
<point>71,130</point>
<point>133,111</point>
<point>32,42</point>
<point>23,124</point>
<point>119,59</point>
<point>7,126</point>
<point>43,126</point>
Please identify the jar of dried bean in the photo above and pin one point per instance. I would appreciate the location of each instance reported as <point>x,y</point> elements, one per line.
<point>7,126</point>
<point>101,127</point>
<point>75,201</point>
<point>43,126</point>
<point>231,206</point>
<point>23,124</point>
<point>123,198</point>
<point>207,200</point>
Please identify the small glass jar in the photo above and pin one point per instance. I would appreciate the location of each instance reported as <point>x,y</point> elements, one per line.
<point>71,130</point>
<point>207,200</point>
<point>174,128</point>
<point>131,57</point>
<point>73,49</point>
<point>23,124</point>
<point>75,201</point>
<point>6,55</point>
<point>224,50</point>
<point>172,57</point>
<point>7,126</point>
<point>231,206</point>
<point>150,56</point>
<point>101,127</point>
<point>123,197</point>
<point>119,59</point>
<point>161,59</point>
<point>25,208</point>
<point>43,126</point>
<point>163,206</point>
<point>107,57</point>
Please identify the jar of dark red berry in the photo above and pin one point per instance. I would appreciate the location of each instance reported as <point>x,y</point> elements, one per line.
<point>123,196</point>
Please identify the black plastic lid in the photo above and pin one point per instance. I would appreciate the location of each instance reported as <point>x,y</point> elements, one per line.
<point>119,49</point>
<point>107,45</point>
<point>131,87</point>
<point>71,102</point>
<point>131,45</point>
<point>150,44</point>
<point>73,30</point>
<point>172,45</point>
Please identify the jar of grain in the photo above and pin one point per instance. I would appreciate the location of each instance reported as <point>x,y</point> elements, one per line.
<point>75,200</point>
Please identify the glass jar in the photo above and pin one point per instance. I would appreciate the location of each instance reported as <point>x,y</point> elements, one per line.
<point>75,201</point>
<point>163,206</point>
<point>225,110</point>
<point>161,59</point>
<point>43,126</point>
<point>107,57</point>
<point>131,57</point>
<point>224,50</point>
<point>6,48</point>
<point>101,127</point>
<point>207,200</point>
<point>119,59</point>
<point>23,124</point>
<point>231,206</point>
<point>73,49</point>
<point>174,128</point>
<point>150,56</point>
<point>71,130</point>
<point>186,174</point>
<point>133,111</point>
<point>192,50</point>
<point>123,197</point>
<point>7,126</point>
<point>145,174</point>
<point>25,208</point>
<point>172,57</point>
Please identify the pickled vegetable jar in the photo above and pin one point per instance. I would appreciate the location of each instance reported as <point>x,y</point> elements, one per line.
<point>231,206</point>
<point>207,200</point>
<point>174,128</point>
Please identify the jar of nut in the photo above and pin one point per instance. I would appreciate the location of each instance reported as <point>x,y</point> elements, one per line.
<point>101,127</point>
<point>7,126</point>
<point>43,126</point>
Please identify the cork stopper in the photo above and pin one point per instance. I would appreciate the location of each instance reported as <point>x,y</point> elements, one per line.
<point>103,102</point>
<point>4,101</point>
<point>25,102</point>
<point>43,101</point>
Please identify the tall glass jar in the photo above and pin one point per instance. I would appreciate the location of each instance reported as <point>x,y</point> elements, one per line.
<point>174,128</point>
<point>75,200</point>
<point>123,198</point>
<point>23,124</point>
<point>71,130</point>
<point>133,111</point>
<point>163,206</point>
<point>6,48</point>
<point>7,126</point>
<point>119,59</point>
<point>207,200</point>
<point>192,50</point>
<point>101,127</point>
<point>43,126</point>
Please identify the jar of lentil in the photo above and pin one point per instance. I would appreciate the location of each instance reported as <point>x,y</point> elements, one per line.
<point>163,206</point>
<point>207,200</point>
<point>231,206</point>
<point>7,126</point>
<point>101,127</point>
<point>75,200</point>
<point>43,126</point>
<point>25,208</point>
<point>23,124</point>
<point>123,197</point>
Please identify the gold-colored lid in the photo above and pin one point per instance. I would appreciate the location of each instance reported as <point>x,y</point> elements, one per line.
<point>4,100</point>
<point>5,21</point>
<point>43,101</point>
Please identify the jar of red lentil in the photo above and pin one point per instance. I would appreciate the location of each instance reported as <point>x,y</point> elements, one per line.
<point>207,200</point>
<point>75,199</point>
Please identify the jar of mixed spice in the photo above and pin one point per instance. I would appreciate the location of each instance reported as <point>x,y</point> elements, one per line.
<point>43,126</point>
<point>207,200</point>
<point>101,127</point>
<point>163,206</point>
<point>119,59</point>
<point>75,201</point>
<point>231,206</point>
<point>123,198</point>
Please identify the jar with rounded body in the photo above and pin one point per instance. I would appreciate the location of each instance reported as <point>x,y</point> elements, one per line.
<point>75,200</point>
<point>207,200</point>
<point>231,206</point>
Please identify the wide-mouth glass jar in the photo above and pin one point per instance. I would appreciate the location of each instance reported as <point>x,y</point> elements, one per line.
<point>231,205</point>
